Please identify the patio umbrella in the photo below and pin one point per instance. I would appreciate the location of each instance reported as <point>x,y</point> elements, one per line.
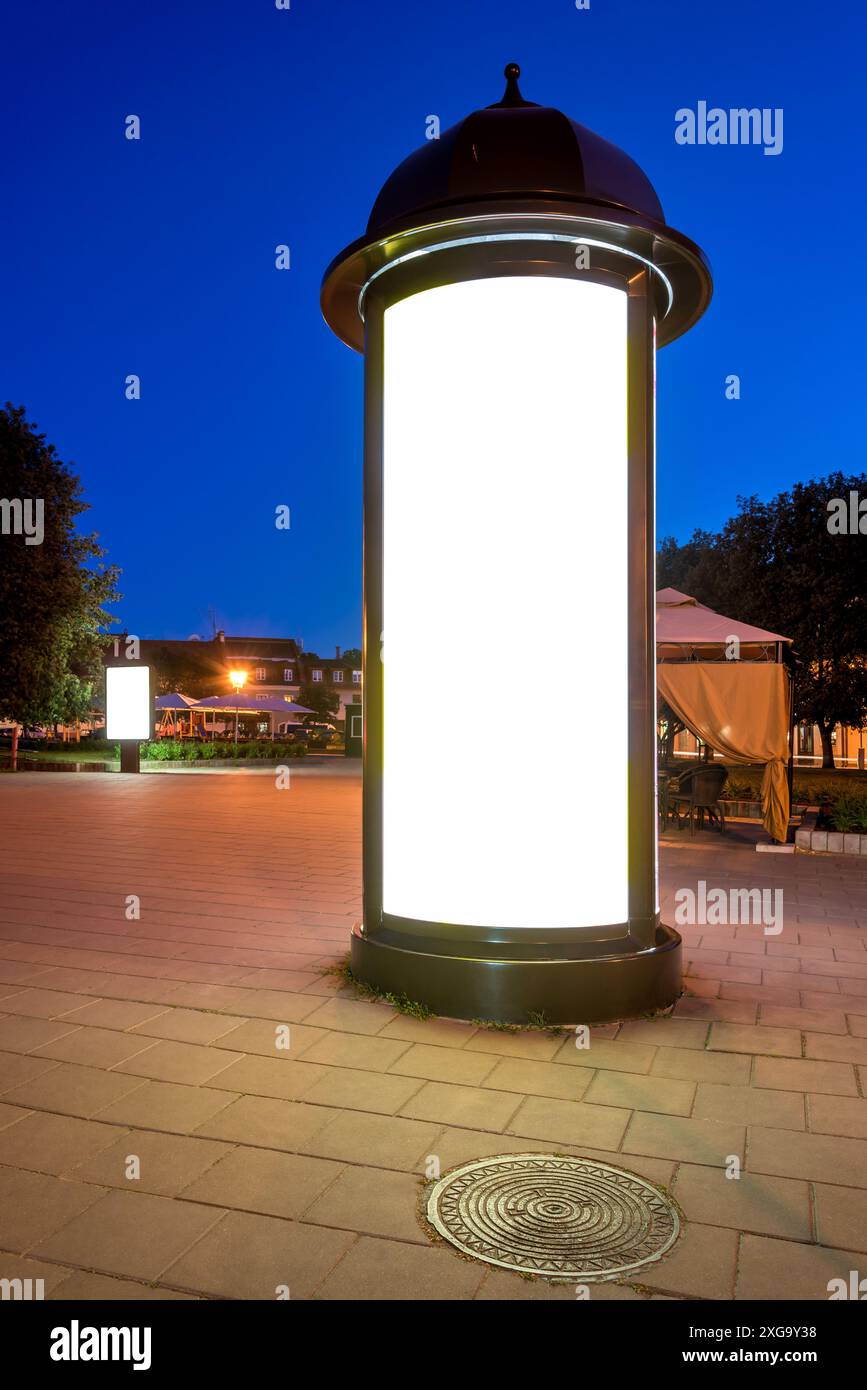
<point>174,700</point>
<point>173,703</point>
<point>240,704</point>
<point>273,705</point>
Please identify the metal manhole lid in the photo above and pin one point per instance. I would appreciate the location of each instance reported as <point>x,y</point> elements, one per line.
<point>562,1218</point>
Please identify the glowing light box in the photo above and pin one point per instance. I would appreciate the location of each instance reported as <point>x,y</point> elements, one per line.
<point>505,570</point>
<point>128,711</point>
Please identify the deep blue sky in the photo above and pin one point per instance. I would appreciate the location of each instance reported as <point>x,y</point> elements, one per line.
<point>262,126</point>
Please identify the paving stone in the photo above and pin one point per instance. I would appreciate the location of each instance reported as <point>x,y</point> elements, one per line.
<point>829,1047</point>
<point>536,1046</point>
<point>284,1006</point>
<point>379,1092</point>
<point>372,1201</point>
<point>265,1076</point>
<point>82,1286</point>
<point>455,1146</point>
<point>774,1270</point>
<point>462,1105</point>
<point>392,1270</point>
<point>822,1020</point>
<point>270,1124</point>
<point>163,1106</point>
<point>841,1217</point>
<point>356,1052</point>
<point>26,1034</point>
<point>766,1205</point>
<point>129,1233</point>
<point>72,1090</point>
<point>444,1064</point>
<point>247,1256</point>
<point>16,1068</point>
<point>570,1122</point>
<point>701,1265</point>
<point>746,1105</point>
<point>187,1025</point>
<point>608,1054</point>
<point>826,1078</point>
<point>539,1078</point>
<point>42,1003</point>
<point>95,1047</point>
<point>180,1062</point>
<point>14,1266</point>
<point>114,1013</point>
<point>837,1115</point>
<point>197,996</point>
<point>436,1032</point>
<point>33,1205</point>
<point>820,1157</point>
<point>46,1143</point>
<point>260,1180</point>
<point>18,971</point>
<point>262,1037</point>
<point>379,1141</point>
<point>168,1162</point>
<point>849,1003</point>
<point>635,1092</point>
<point>723,1068</point>
<point>761,1041</point>
<point>503,1286</point>
<point>722,1010</point>
<point>665,1032</point>
<point>352,1016</point>
<point>10,1114</point>
<point>692,1141</point>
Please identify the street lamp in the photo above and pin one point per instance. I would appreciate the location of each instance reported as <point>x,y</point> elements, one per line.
<point>239,680</point>
<point>514,280</point>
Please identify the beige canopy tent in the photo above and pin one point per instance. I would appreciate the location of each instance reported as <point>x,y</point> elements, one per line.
<point>727,683</point>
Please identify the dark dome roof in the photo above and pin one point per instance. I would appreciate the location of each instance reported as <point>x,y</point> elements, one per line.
<point>513,149</point>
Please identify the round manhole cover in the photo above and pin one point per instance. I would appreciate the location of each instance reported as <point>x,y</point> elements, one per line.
<point>564,1218</point>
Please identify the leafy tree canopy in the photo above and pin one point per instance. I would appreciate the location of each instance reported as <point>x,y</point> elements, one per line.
<point>317,696</point>
<point>786,565</point>
<point>53,592</point>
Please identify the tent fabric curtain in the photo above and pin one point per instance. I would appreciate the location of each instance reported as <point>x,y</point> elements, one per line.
<point>742,711</point>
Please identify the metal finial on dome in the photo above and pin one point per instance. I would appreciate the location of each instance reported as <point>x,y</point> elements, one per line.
<point>512,95</point>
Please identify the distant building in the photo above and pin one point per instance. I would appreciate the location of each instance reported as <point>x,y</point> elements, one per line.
<point>850,746</point>
<point>276,667</point>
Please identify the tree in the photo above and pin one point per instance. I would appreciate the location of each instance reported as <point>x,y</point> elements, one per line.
<point>784,565</point>
<point>353,654</point>
<point>181,670</point>
<point>317,696</point>
<point>54,586</point>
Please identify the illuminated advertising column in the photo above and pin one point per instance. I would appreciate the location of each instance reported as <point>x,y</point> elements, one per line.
<point>508,333</point>
<point>129,710</point>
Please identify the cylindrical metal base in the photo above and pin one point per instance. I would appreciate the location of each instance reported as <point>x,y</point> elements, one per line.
<point>600,989</point>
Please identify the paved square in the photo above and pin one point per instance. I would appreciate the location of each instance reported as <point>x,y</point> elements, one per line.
<point>191,1107</point>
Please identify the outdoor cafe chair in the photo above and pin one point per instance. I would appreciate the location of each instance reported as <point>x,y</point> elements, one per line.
<point>699,791</point>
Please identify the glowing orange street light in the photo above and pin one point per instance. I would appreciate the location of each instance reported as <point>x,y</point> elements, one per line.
<point>239,680</point>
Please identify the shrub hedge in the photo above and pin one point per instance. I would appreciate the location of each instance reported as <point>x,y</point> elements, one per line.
<point>849,813</point>
<point>191,750</point>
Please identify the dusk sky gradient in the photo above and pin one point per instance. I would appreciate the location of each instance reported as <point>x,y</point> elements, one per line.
<point>262,126</point>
